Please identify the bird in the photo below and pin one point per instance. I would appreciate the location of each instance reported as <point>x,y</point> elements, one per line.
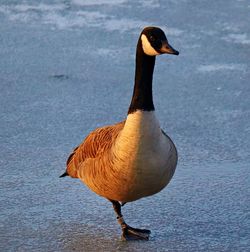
<point>134,158</point>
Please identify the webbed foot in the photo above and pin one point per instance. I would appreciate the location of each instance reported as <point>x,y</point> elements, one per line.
<point>130,234</point>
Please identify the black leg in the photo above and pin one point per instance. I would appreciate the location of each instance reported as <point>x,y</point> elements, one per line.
<point>129,233</point>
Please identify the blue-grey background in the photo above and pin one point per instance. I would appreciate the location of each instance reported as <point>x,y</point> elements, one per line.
<point>67,67</point>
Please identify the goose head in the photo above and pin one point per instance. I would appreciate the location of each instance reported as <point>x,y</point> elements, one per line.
<point>154,42</point>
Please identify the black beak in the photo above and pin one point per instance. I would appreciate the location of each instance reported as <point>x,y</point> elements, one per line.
<point>167,48</point>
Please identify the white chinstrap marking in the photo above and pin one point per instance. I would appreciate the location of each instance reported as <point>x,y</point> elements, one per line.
<point>147,48</point>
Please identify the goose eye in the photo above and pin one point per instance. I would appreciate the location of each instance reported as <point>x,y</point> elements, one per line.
<point>158,43</point>
<point>152,38</point>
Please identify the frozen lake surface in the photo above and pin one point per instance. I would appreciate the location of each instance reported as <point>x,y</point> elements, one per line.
<point>67,67</point>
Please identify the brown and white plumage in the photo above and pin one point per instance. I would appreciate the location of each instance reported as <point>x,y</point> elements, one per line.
<point>134,158</point>
<point>95,145</point>
<point>115,157</point>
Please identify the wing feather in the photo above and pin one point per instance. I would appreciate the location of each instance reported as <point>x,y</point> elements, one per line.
<point>94,145</point>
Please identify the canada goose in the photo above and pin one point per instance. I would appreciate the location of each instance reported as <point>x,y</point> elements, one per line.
<point>134,158</point>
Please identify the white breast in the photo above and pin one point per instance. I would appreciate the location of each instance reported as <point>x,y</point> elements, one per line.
<point>144,154</point>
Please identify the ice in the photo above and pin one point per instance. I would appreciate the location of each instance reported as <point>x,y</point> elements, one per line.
<point>238,38</point>
<point>222,67</point>
<point>67,67</point>
<point>98,2</point>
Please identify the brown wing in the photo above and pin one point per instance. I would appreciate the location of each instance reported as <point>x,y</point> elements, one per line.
<point>95,144</point>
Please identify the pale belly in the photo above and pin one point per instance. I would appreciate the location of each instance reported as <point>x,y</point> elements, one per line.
<point>145,175</point>
<point>141,162</point>
<point>134,176</point>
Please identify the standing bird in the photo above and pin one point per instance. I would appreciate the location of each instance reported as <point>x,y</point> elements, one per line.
<point>134,158</point>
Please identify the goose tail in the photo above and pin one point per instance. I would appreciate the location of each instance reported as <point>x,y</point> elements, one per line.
<point>64,174</point>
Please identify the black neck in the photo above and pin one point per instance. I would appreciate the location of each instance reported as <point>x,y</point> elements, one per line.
<point>142,98</point>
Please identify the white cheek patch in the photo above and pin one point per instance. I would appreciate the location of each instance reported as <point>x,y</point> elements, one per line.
<point>147,48</point>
